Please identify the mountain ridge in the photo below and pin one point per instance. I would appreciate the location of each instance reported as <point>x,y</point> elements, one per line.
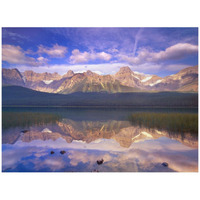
<point>125,80</point>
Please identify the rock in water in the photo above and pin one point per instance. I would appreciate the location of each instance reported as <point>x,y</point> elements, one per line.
<point>95,170</point>
<point>24,131</point>
<point>165,164</point>
<point>99,162</point>
<point>52,152</point>
<point>62,152</point>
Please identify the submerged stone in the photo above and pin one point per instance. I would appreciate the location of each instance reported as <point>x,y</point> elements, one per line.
<point>52,152</point>
<point>24,131</point>
<point>99,162</point>
<point>165,164</point>
<point>62,152</point>
<point>95,170</point>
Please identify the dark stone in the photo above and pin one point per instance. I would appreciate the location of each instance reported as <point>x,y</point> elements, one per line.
<point>99,162</point>
<point>52,152</point>
<point>24,131</point>
<point>165,164</point>
<point>95,170</point>
<point>62,152</point>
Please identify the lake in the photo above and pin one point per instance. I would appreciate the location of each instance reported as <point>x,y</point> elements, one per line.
<point>39,139</point>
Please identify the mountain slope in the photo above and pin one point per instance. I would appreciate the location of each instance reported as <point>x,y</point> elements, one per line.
<point>92,82</point>
<point>185,80</point>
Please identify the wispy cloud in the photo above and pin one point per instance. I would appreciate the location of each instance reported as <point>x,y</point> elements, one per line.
<point>6,33</point>
<point>137,37</point>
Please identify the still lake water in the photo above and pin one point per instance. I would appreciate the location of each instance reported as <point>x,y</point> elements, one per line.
<point>88,135</point>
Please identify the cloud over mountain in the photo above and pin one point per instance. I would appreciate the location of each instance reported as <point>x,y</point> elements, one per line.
<point>79,57</point>
<point>175,52</point>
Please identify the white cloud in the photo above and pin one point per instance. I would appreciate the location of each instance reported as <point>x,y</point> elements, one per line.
<point>56,51</point>
<point>42,59</point>
<point>175,52</point>
<point>16,55</point>
<point>79,57</point>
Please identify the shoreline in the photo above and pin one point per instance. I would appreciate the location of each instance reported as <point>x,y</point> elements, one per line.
<point>35,106</point>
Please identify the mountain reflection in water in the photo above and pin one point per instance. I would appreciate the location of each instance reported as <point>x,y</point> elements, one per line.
<point>122,146</point>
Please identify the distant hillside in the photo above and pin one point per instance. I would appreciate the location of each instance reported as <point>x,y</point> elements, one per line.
<point>20,96</point>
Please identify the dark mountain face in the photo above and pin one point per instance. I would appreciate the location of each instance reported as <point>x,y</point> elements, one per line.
<point>12,77</point>
<point>125,80</point>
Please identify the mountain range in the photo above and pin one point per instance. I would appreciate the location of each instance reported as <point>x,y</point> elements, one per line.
<point>125,80</point>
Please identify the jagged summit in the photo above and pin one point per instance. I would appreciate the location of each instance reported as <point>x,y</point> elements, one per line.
<point>89,73</point>
<point>125,69</point>
<point>70,73</point>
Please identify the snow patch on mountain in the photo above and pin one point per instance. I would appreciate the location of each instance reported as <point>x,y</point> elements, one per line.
<point>48,81</point>
<point>146,79</point>
<point>135,76</point>
<point>146,134</point>
<point>158,81</point>
<point>138,73</point>
<point>24,79</point>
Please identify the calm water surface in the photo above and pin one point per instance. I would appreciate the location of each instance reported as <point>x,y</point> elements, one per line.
<point>88,135</point>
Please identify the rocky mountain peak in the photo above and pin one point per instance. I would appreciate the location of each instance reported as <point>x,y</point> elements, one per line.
<point>11,73</point>
<point>70,73</point>
<point>89,73</point>
<point>124,70</point>
<point>29,73</point>
<point>12,77</point>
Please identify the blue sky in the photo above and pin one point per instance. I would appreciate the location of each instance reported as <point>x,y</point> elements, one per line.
<point>161,51</point>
